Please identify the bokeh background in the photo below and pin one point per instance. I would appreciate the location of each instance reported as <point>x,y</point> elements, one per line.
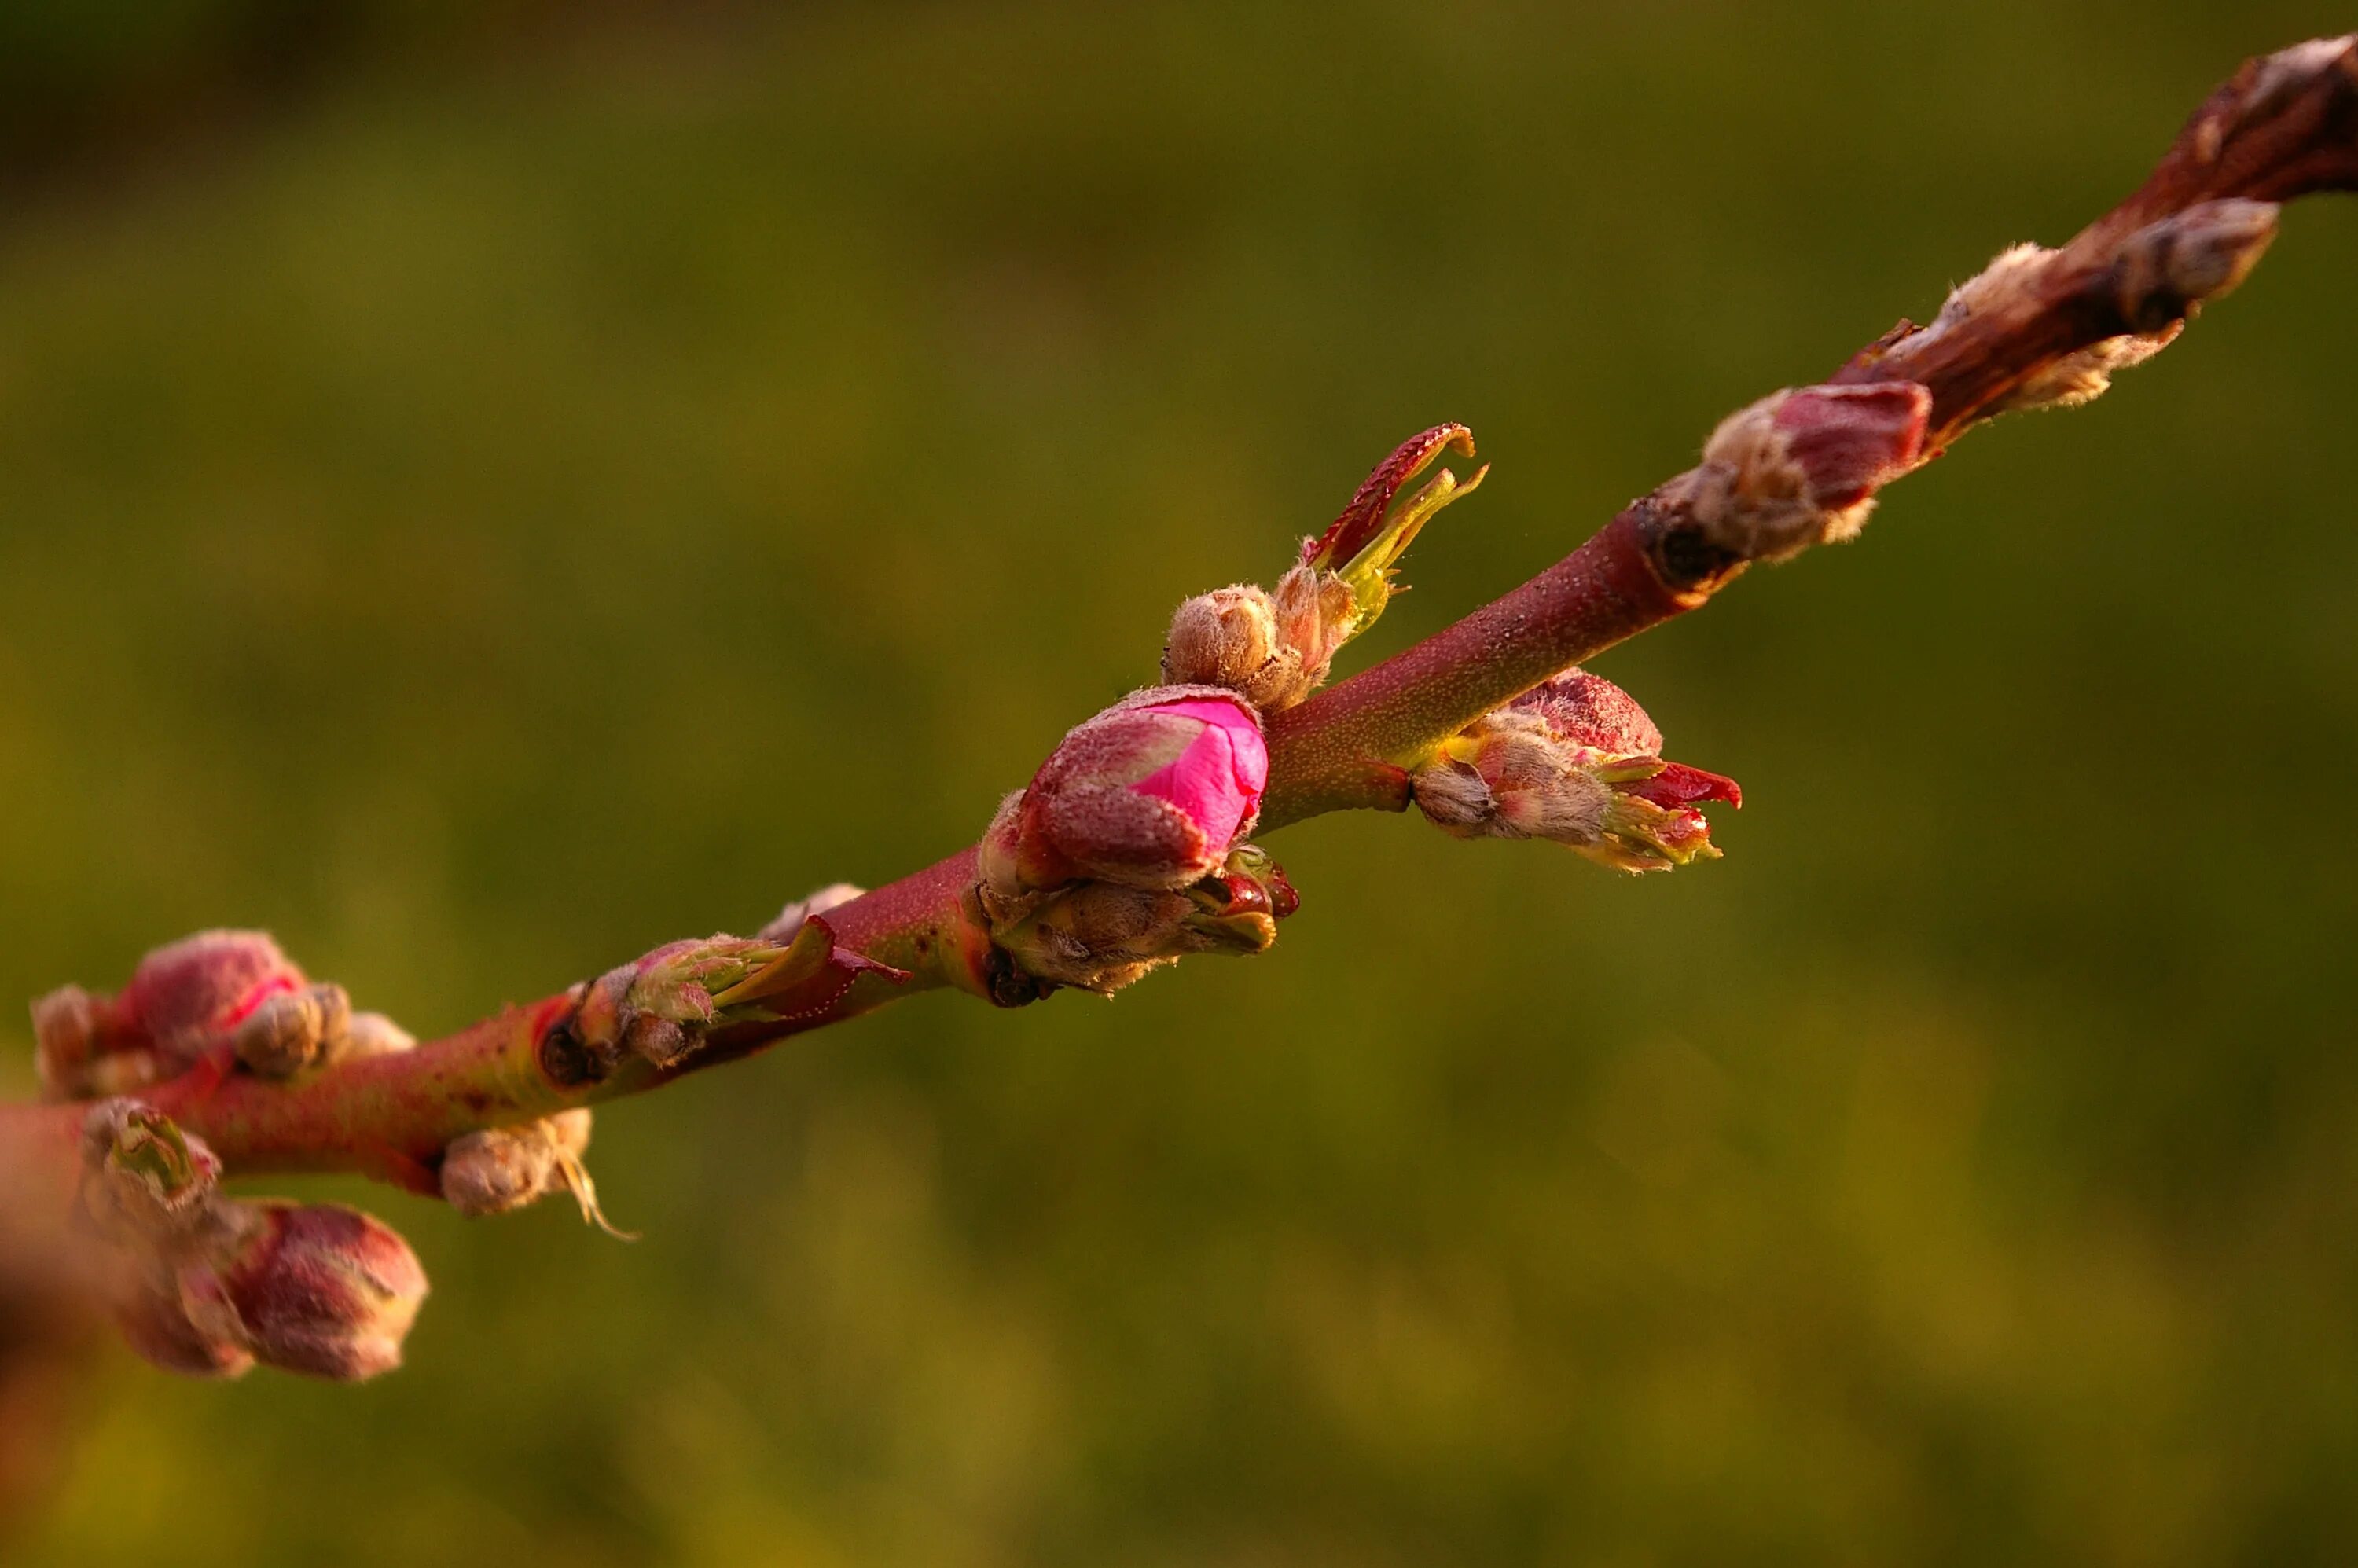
<point>484,490</point>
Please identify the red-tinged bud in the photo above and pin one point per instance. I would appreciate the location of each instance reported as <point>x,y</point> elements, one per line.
<point>312,1287</point>
<point>1849,441</point>
<point>1151,794</point>
<point>1576,761</point>
<point>1802,468</point>
<point>184,995</point>
<point>143,1178</point>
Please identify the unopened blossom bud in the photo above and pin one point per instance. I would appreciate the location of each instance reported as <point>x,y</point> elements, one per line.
<point>186,993</point>
<point>1576,761</point>
<point>1152,792</point>
<point>312,1287</point>
<point>1228,638</point>
<point>1800,468</point>
<point>143,1178</point>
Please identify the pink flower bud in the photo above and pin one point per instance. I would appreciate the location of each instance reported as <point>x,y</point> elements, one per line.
<point>312,1287</point>
<point>1152,792</point>
<point>1576,761</point>
<point>204,985</point>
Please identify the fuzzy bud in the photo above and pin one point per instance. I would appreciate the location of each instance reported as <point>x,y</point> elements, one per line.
<point>1228,638</point>
<point>1150,794</point>
<point>501,1169</point>
<point>185,994</point>
<point>312,1287</point>
<point>294,1030</point>
<point>65,1037</point>
<point>1800,468</point>
<point>1578,762</point>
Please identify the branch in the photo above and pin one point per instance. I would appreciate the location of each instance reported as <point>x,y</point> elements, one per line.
<point>1433,725</point>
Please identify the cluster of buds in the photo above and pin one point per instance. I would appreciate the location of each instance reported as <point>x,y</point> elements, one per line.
<point>1578,762</point>
<point>210,1286</point>
<point>1127,849</point>
<point>1276,649</point>
<point>217,1000</point>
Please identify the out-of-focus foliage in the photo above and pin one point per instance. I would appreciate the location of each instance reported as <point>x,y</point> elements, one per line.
<point>543,490</point>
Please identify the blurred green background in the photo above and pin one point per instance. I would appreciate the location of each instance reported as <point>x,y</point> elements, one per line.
<point>486,489</point>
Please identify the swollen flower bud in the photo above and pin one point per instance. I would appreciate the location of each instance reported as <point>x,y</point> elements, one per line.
<point>1578,762</point>
<point>312,1287</point>
<point>1800,468</point>
<point>1153,794</point>
<point>185,994</point>
<point>1228,637</point>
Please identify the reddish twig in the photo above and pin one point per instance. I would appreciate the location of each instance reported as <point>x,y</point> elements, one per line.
<point>2040,328</point>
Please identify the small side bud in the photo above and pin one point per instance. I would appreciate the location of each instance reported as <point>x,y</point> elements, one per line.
<point>294,1031</point>
<point>1229,638</point>
<point>503,1169</point>
<point>65,1036</point>
<point>1578,762</point>
<point>318,1289</point>
<point>2169,269</point>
